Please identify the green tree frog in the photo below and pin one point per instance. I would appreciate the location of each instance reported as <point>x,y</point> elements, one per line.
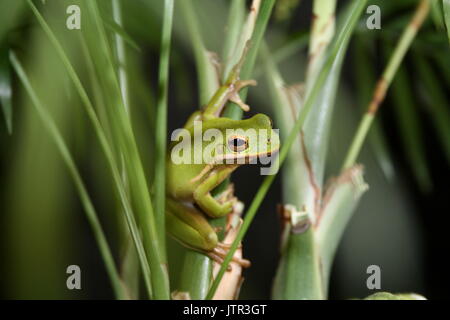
<point>189,185</point>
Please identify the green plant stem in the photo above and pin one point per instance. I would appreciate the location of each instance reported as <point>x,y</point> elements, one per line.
<point>161,124</point>
<point>197,267</point>
<point>138,183</point>
<point>89,209</point>
<point>383,84</point>
<point>446,7</point>
<point>262,191</point>
<point>121,55</point>
<point>233,111</point>
<point>234,27</point>
<point>134,231</point>
<point>207,74</point>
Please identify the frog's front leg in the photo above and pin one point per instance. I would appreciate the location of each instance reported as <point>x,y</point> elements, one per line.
<point>202,194</point>
<point>227,92</point>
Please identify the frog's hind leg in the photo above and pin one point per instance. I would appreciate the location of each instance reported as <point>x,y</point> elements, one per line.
<point>189,226</point>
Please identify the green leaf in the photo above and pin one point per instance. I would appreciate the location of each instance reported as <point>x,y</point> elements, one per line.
<point>342,38</point>
<point>339,202</point>
<point>410,128</point>
<point>106,147</point>
<point>116,28</point>
<point>446,7</point>
<point>89,208</point>
<point>161,124</point>
<point>437,14</point>
<point>437,103</point>
<point>5,89</point>
<point>364,73</point>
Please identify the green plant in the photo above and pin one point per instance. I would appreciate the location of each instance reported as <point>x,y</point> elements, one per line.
<point>100,71</point>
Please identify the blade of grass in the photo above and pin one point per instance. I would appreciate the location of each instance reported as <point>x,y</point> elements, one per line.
<point>206,72</point>
<point>437,102</point>
<point>235,22</point>
<point>89,209</point>
<point>240,42</point>
<point>446,6</point>
<point>5,89</point>
<point>161,123</point>
<point>342,37</point>
<point>383,84</point>
<point>410,129</point>
<point>121,55</point>
<point>232,111</point>
<point>87,104</point>
<point>138,184</point>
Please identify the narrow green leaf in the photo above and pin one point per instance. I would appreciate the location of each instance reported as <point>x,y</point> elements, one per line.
<point>437,14</point>
<point>5,89</point>
<point>410,129</point>
<point>438,105</point>
<point>87,104</point>
<point>161,124</point>
<point>89,209</point>
<point>365,75</point>
<point>235,22</point>
<point>116,28</point>
<point>446,7</point>
<point>206,71</point>
<point>124,134</point>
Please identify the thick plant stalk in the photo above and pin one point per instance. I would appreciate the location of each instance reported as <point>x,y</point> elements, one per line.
<point>322,31</point>
<point>299,271</point>
<point>382,86</point>
<point>341,39</point>
<point>197,267</point>
<point>339,202</point>
<point>303,177</point>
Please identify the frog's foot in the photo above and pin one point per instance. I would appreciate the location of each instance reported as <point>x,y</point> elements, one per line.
<point>226,246</point>
<point>221,252</point>
<point>238,85</point>
<point>217,259</point>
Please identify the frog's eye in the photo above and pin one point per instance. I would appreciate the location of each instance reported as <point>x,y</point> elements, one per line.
<point>237,143</point>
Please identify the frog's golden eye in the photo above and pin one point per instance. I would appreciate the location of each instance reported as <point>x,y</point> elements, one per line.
<point>237,143</point>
